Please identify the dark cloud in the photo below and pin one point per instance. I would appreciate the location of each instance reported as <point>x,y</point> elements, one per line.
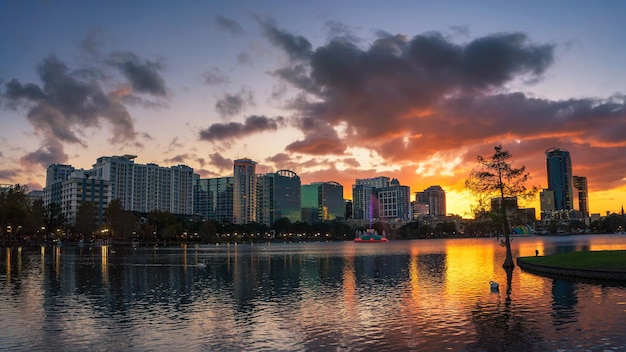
<point>8,174</point>
<point>382,95</point>
<point>178,159</point>
<point>253,124</point>
<point>229,25</point>
<point>232,104</point>
<point>144,76</point>
<point>68,101</point>
<point>319,139</point>
<point>51,152</point>
<point>297,47</point>
<point>217,160</point>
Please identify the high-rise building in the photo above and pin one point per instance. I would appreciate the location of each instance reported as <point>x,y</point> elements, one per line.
<point>322,201</point>
<point>213,198</point>
<point>580,183</point>
<point>546,200</point>
<point>435,197</point>
<point>364,201</point>
<point>394,202</point>
<point>285,196</point>
<point>149,187</point>
<point>58,172</point>
<point>70,190</point>
<point>79,189</point>
<point>244,191</point>
<point>118,170</point>
<point>559,167</point>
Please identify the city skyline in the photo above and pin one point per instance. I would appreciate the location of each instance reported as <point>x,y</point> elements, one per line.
<point>333,92</point>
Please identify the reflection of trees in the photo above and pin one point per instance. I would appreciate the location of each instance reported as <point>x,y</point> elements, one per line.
<point>500,328</point>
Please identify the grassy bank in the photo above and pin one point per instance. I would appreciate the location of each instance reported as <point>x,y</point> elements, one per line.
<point>588,260</point>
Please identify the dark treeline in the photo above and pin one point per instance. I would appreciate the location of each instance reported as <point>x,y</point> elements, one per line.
<point>26,221</point>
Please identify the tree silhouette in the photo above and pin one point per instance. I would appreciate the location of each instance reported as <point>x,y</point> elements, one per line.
<point>495,177</point>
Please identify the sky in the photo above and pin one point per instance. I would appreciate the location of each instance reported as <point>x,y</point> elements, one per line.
<point>332,90</point>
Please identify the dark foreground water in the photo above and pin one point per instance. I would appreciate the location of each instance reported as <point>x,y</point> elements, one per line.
<point>422,295</point>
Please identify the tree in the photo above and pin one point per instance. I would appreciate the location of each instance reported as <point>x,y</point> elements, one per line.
<point>87,219</point>
<point>495,177</point>
<point>14,208</point>
<point>122,223</point>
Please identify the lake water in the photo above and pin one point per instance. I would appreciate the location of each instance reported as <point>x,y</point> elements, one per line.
<point>421,295</point>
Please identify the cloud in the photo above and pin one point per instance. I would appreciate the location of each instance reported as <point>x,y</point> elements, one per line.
<point>68,101</point>
<point>253,124</point>
<point>232,104</point>
<point>217,160</point>
<point>178,159</point>
<point>215,77</point>
<point>387,95</point>
<point>8,174</point>
<point>229,25</point>
<point>296,47</point>
<point>51,152</point>
<point>143,76</point>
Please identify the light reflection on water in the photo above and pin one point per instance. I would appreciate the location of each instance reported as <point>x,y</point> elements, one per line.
<point>398,296</point>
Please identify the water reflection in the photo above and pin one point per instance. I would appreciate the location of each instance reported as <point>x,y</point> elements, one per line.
<point>410,295</point>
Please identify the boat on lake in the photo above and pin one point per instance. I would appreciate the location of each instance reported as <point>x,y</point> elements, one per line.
<point>370,236</point>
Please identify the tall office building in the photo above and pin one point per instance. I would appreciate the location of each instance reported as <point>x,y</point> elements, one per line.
<point>559,167</point>
<point>364,201</point>
<point>580,183</point>
<point>244,191</point>
<point>394,202</point>
<point>322,201</point>
<point>213,198</point>
<point>279,197</point>
<point>435,198</point>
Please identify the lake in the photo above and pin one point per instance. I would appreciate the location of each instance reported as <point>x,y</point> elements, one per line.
<point>419,295</point>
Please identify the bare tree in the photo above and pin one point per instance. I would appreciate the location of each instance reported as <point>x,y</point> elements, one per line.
<point>495,177</point>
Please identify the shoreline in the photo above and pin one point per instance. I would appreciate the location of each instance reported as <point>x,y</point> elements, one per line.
<point>588,274</point>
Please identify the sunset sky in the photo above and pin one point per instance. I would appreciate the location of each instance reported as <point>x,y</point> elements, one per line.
<point>333,90</point>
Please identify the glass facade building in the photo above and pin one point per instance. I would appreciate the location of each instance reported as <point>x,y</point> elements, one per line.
<point>213,198</point>
<point>559,167</point>
<point>322,201</point>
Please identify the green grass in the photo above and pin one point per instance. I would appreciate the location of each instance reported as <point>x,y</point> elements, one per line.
<point>590,260</point>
